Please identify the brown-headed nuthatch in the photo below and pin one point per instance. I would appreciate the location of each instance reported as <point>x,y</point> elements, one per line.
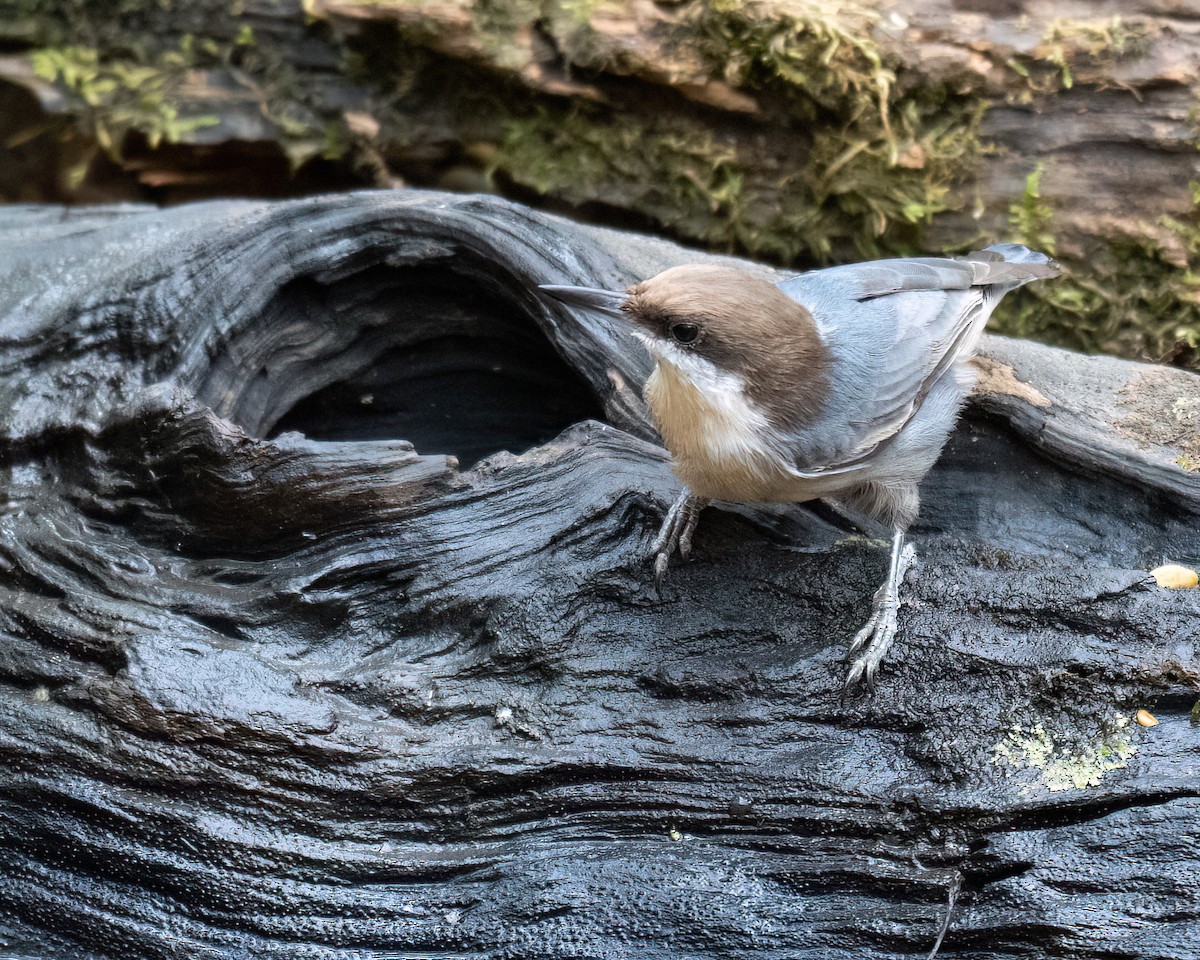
<point>842,383</point>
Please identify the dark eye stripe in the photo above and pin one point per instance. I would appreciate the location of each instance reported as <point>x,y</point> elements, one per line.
<point>684,332</point>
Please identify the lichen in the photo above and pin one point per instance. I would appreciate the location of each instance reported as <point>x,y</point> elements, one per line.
<point>1066,766</point>
<point>1161,410</point>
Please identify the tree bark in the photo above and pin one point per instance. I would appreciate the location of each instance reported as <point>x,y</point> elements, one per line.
<point>792,131</point>
<point>280,682</point>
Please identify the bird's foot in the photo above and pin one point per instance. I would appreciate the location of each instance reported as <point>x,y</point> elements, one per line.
<point>873,641</point>
<point>676,533</point>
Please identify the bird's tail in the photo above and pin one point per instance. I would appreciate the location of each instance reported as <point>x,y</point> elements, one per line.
<point>1010,265</point>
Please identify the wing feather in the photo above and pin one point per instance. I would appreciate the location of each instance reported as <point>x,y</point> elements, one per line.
<point>895,329</point>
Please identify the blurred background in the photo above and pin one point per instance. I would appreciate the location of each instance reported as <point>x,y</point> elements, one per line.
<point>796,133</point>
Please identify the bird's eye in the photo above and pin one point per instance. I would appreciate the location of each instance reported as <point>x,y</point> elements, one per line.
<point>684,332</point>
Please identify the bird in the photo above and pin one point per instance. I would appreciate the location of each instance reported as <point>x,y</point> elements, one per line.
<point>842,384</point>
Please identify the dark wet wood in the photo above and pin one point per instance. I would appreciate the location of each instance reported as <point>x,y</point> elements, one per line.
<point>269,695</point>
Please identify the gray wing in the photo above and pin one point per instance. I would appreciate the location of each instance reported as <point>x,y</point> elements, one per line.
<point>1003,265</point>
<point>896,328</point>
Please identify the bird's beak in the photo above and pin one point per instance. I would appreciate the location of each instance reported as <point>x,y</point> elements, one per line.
<point>604,302</point>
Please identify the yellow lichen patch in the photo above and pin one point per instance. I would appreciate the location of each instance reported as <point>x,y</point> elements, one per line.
<point>1146,719</point>
<point>1175,576</point>
<point>1065,766</point>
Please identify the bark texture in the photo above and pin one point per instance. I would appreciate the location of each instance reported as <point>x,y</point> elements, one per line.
<point>791,130</point>
<point>326,627</point>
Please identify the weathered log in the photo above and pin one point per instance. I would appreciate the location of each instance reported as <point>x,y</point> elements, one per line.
<point>790,130</point>
<point>337,695</point>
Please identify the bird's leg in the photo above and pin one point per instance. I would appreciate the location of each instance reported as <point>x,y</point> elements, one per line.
<point>874,639</point>
<point>676,532</point>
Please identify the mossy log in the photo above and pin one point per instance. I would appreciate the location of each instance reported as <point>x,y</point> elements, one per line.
<point>327,630</point>
<point>789,130</point>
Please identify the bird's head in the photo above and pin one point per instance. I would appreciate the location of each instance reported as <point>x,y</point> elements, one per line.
<point>719,325</point>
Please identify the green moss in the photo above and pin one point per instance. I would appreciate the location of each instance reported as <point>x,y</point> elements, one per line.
<point>116,95</point>
<point>497,23</point>
<point>1073,45</point>
<point>502,18</point>
<point>579,11</point>
<point>880,189</point>
<point>880,164</point>
<point>854,169</point>
<point>814,55</point>
<point>1129,296</point>
<point>122,67</point>
<point>693,185</point>
<point>1126,299</point>
<point>1074,49</point>
<point>868,171</point>
<point>1030,216</point>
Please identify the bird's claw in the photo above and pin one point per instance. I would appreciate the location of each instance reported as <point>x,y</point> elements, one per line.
<point>678,527</point>
<point>661,559</point>
<point>875,638</point>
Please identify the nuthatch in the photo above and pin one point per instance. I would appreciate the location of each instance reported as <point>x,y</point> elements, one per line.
<point>842,383</point>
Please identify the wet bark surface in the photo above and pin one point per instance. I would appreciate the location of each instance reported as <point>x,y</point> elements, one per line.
<point>326,626</point>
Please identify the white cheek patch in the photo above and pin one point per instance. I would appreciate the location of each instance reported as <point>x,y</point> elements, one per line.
<point>701,371</point>
<point>733,427</point>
